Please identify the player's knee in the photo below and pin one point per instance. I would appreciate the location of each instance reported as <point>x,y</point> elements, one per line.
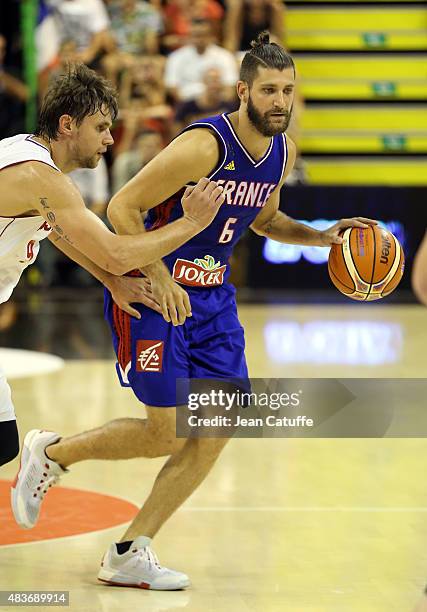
<point>9,448</point>
<point>164,448</point>
<point>162,422</point>
<point>209,449</point>
<point>163,441</point>
<point>161,430</point>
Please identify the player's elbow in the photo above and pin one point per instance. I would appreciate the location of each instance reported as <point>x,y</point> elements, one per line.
<point>258,229</point>
<point>114,265</point>
<point>419,284</point>
<point>120,261</point>
<point>126,253</point>
<point>116,259</point>
<point>115,210</point>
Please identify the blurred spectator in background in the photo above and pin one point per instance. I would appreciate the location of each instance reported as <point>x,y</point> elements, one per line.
<point>93,185</point>
<point>298,175</point>
<point>186,66</point>
<point>143,99</point>
<point>66,55</point>
<point>245,19</point>
<point>212,101</point>
<point>178,15</point>
<point>85,22</point>
<point>136,26</point>
<point>13,95</point>
<point>144,147</point>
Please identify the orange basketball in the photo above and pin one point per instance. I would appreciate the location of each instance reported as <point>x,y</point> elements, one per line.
<point>368,265</point>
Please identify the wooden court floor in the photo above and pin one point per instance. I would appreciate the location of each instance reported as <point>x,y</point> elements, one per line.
<point>295,525</point>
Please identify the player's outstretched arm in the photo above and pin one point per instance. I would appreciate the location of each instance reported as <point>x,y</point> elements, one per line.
<point>274,224</point>
<point>125,290</point>
<point>60,203</point>
<point>419,273</point>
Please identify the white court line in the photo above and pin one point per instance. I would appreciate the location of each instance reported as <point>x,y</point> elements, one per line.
<point>304,509</point>
<point>18,363</point>
<point>66,537</point>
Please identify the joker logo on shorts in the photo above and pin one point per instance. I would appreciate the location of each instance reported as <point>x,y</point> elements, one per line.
<point>199,273</point>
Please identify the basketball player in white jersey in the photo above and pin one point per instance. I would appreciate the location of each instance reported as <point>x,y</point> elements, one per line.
<point>39,201</point>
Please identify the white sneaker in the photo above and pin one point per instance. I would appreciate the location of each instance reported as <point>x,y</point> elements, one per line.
<point>139,567</point>
<point>37,473</point>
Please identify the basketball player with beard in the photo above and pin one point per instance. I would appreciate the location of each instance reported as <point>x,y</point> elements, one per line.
<point>247,153</point>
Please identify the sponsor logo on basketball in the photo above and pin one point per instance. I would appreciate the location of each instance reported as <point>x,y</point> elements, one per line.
<point>361,243</point>
<point>385,248</point>
<point>199,273</point>
<point>149,355</point>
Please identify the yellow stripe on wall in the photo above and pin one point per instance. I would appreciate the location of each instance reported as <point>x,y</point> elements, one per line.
<point>366,172</point>
<point>361,19</point>
<point>370,66</point>
<point>363,143</point>
<point>353,118</point>
<point>374,90</point>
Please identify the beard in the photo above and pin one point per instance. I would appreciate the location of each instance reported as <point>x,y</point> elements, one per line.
<point>88,162</point>
<point>91,162</point>
<point>262,122</point>
<point>81,158</point>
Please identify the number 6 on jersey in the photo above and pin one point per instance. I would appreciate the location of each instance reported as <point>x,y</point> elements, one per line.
<point>227,233</point>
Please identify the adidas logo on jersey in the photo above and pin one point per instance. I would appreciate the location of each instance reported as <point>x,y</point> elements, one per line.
<point>230,166</point>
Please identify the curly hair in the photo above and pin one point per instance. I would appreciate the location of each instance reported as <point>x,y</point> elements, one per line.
<point>79,92</point>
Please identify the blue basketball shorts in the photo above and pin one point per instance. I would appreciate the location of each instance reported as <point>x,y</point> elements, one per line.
<point>152,354</point>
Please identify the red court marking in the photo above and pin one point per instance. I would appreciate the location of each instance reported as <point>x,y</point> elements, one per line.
<point>65,512</point>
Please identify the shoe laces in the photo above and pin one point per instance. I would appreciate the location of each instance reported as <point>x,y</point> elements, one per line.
<point>148,555</point>
<point>46,482</point>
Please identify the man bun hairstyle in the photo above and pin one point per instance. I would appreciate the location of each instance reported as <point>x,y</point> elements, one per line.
<point>262,39</point>
<point>264,54</point>
<point>80,92</point>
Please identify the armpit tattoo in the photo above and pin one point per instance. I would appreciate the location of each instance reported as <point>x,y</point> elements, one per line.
<point>43,202</point>
<point>51,218</point>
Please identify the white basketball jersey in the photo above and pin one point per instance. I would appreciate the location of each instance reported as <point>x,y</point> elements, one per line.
<point>20,236</point>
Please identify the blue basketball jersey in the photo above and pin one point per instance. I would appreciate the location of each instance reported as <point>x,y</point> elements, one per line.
<point>203,260</point>
<point>151,353</point>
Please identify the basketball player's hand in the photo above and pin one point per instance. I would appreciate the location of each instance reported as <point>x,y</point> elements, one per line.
<point>126,290</point>
<point>201,202</point>
<point>173,299</point>
<point>332,236</point>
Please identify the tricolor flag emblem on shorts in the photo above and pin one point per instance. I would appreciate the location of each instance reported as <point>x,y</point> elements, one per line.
<point>149,355</point>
